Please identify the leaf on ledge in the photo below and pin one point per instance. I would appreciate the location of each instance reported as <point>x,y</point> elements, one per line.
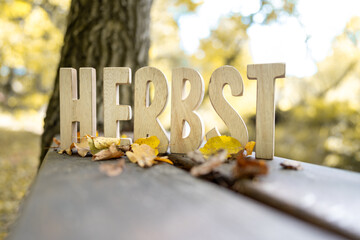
<point>213,161</point>
<point>214,144</point>
<point>248,166</point>
<point>68,150</point>
<point>111,169</point>
<point>249,148</point>
<point>143,155</point>
<point>152,141</point>
<point>82,147</point>
<point>196,156</point>
<point>57,142</point>
<point>291,165</point>
<point>110,153</point>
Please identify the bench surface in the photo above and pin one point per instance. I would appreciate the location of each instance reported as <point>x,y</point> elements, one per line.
<point>72,199</point>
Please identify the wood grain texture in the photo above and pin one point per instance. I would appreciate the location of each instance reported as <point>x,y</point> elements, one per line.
<point>265,74</point>
<point>71,199</point>
<point>113,111</point>
<point>146,122</point>
<point>219,79</point>
<point>323,196</point>
<point>74,109</point>
<point>184,110</point>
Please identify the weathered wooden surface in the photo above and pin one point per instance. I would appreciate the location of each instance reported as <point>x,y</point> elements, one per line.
<point>71,199</point>
<point>320,195</point>
<point>325,196</point>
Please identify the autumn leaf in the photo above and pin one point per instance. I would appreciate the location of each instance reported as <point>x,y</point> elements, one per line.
<point>152,141</point>
<point>57,142</point>
<point>164,159</point>
<point>96,144</point>
<point>109,153</point>
<point>212,162</point>
<point>68,150</point>
<point>196,156</point>
<point>82,147</point>
<point>291,165</point>
<point>214,144</point>
<point>249,148</point>
<point>111,169</point>
<point>144,155</point>
<point>248,166</point>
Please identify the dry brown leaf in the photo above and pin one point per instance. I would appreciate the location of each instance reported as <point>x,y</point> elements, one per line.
<point>291,165</point>
<point>110,153</point>
<point>213,161</point>
<point>57,142</point>
<point>111,169</point>
<point>248,166</point>
<point>82,147</point>
<point>143,155</point>
<point>196,156</point>
<point>68,150</point>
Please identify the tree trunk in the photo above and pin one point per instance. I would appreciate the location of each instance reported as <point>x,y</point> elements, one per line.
<point>101,33</point>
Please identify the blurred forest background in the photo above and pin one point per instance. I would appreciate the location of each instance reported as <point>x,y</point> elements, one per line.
<point>317,117</point>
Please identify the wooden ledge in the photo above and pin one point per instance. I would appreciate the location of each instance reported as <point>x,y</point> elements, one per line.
<point>72,199</point>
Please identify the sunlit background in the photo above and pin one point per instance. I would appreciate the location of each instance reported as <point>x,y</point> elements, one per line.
<point>318,103</point>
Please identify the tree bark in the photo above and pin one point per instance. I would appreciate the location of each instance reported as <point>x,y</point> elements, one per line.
<point>101,33</point>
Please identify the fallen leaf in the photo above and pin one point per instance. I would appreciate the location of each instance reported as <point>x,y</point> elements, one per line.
<point>96,144</point>
<point>164,159</point>
<point>57,142</point>
<point>152,141</point>
<point>214,144</point>
<point>196,156</point>
<point>68,150</point>
<point>248,166</point>
<point>109,153</point>
<point>82,147</point>
<point>111,169</point>
<point>291,165</point>
<point>249,148</point>
<point>143,155</point>
<point>213,161</point>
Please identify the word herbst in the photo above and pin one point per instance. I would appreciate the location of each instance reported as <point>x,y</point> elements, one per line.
<point>146,123</point>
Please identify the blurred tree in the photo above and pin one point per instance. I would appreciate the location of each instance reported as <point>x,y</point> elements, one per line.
<point>228,45</point>
<point>325,107</point>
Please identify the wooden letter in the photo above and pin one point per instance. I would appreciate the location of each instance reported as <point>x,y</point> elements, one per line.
<point>184,110</point>
<point>146,122</point>
<point>73,109</point>
<point>220,77</point>
<point>265,74</point>
<point>113,111</point>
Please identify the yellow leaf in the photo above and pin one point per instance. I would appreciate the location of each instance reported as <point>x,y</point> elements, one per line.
<point>214,144</point>
<point>96,144</point>
<point>143,155</point>
<point>164,159</point>
<point>249,148</point>
<point>152,141</point>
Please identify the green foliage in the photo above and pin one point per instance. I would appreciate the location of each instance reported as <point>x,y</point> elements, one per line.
<point>30,40</point>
